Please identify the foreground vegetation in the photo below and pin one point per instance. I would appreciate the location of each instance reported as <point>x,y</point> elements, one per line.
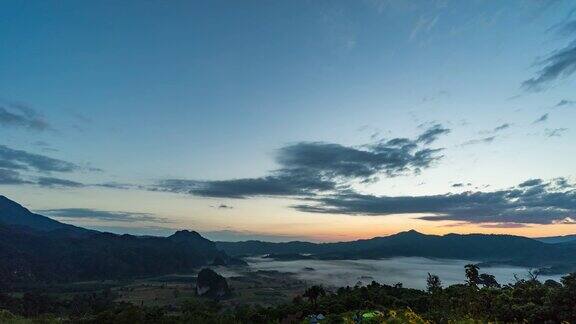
<point>480,299</point>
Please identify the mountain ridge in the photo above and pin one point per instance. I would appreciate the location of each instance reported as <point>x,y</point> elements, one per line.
<point>570,238</point>
<point>29,244</point>
<point>14,214</point>
<point>35,248</point>
<point>485,248</point>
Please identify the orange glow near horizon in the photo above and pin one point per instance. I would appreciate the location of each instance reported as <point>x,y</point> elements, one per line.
<point>349,228</point>
<point>260,217</point>
<point>336,235</point>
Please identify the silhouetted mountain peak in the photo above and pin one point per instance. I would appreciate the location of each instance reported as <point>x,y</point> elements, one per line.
<point>16,215</point>
<point>30,244</point>
<point>413,231</point>
<point>192,237</point>
<point>7,205</point>
<point>186,234</point>
<point>12,213</point>
<point>410,233</point>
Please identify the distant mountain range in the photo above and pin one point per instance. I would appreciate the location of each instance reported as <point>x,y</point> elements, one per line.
<point>558,239</point>
<point>35,248</point>
<point>488,249</point>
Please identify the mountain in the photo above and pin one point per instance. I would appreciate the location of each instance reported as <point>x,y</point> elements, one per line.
<point>14,214</point>
<point>558,239</point>
<point>35,248</point>
<point>489,249</point>
<point>211,284</point>
<point>254,247</point>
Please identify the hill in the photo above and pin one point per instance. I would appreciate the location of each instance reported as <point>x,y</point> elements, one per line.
<point>35,248</point>
<point>489,249</point>
<point>15,215</point>
<point>558,239</point>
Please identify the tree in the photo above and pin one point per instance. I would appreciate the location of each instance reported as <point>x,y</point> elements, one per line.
<point>297,300</point>
<point>569,281</point>
<point>568,297</point>
<point>433,283</point>
<point>552,284</point>
<point>313,293</point>
<point>488,280</point>
<point>533,274</point>
<point>472,274</point>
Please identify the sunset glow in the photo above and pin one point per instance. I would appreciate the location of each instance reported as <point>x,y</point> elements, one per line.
<point>290,120</point>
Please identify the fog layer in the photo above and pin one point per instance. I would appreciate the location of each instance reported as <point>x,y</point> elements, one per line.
<point>410,271</point>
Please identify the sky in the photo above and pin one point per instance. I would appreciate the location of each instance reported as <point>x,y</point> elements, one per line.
<point>291,120</point>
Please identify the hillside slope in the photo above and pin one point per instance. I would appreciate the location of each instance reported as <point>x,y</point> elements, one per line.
<point>35,248</point>
<point>490,249</point>
<point>15,215</point>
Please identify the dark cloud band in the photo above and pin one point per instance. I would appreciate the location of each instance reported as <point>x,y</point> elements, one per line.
<point>309,168</point>
<point>557,65</point>
<point>10,177</point>
<point>18,159</point>
<point>57,182</point>
<point>102,215</point>
<point>532,202</point>
<point>23,117</point>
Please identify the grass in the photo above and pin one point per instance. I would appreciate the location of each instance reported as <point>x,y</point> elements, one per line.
<point>267,288</point>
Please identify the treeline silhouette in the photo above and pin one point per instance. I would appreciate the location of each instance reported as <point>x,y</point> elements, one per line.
<point>480,299</point>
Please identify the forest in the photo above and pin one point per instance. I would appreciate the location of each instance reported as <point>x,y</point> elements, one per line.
<point>481,299</point>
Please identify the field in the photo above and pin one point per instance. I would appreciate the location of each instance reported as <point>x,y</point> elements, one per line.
<point>261,287</point>
<point>265,288</point>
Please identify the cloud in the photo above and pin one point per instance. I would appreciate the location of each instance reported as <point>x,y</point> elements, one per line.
<point>139,230</point>
<point>424,25</point>
<point>496,129</point>
<point>11,165</point>
<point>10,177</point>
<point>432,134</point>
<point>9,172</point>
<point>239,235</point>
<point>23,160</point>
<point>281,184</point>
<point>502,127</point>
<point>565,221</point>
<point>57,182</point>
<point>557,65</point>
<point>566,103</point>
<point>532,202</point>
<point>116,185</point>
<point>503,225</point>
<point>223,206</point>
<point>309,168</point>
<point>44,146</point>
<point>530,183</point>
<point>567,27</point>
<point>331,161</point>
<point>541,119</point>
<point>561,182</point>
<point>23,117</point>
<point>485,140</point>
<point>554,132</point>
<point>102,215</point>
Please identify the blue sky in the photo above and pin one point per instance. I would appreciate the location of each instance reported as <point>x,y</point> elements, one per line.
<point>136,93</point>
